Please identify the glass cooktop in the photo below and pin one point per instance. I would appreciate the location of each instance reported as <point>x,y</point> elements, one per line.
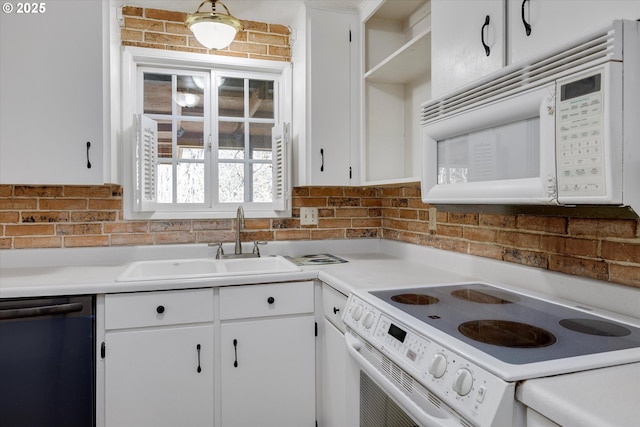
<point>512,327</point>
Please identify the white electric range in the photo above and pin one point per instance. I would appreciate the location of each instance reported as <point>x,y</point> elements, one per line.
<point>453,355</point>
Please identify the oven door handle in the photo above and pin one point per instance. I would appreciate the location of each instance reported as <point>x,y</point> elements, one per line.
<point>353,348</point>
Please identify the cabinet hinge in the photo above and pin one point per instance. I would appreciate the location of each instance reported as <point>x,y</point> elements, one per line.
<point>103,350</point>
<point>316,331</point>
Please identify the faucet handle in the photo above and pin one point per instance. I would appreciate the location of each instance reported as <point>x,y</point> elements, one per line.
<point>256,249</point>
<point>220,251</point>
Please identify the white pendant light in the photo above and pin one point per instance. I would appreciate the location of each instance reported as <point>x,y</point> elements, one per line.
<point>212,29</point>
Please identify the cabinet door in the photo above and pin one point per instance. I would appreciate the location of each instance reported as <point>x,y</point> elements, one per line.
<point>554,23</point>
<point>329,116</point>
<point>268,373</point>
<point>152,377</point>
<point>51,80</point>
<point>459,38</point>
<point>334,373</point>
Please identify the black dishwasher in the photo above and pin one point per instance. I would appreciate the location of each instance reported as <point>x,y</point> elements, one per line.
<point>47,362</point>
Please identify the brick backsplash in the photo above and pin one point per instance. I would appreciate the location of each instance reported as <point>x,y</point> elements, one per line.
<point>84,216</point>
<point>162,29</point>
<point>90,216</point>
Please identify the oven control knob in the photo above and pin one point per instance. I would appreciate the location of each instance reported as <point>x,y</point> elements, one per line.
<point>462,381</point>
<point>357,312</point>
<point>438,365</point>
<point>368,320</point>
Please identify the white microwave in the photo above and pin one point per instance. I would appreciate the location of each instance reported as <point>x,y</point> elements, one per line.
<point>561,129</point>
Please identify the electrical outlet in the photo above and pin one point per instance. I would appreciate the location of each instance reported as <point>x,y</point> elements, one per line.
<point>432,219</point>
<point>308,216</point>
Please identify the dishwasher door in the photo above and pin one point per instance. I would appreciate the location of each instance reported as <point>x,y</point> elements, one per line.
<point>47,362</point>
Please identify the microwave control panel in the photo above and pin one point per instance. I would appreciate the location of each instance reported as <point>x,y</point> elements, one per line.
<point>580,151</point>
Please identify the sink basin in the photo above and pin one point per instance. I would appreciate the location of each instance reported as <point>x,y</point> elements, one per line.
<point>170,269</point>
<point>204,267</point>
<point>272,264</point>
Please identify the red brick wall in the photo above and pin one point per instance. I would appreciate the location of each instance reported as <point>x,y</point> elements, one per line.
<point>161,29</point>
<point>82,216</point>
<point>604,249</point>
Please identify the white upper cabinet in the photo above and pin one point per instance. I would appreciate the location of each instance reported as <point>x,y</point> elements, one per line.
<point>517,30</point>
<point>52,81</point>
<point>468,41</point>
<point>396,79</point>
<point>553,23</point>
<point>325,127</point>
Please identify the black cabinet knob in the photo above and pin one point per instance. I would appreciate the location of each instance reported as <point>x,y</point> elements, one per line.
<point>160,309</point>
<point>271,300</point>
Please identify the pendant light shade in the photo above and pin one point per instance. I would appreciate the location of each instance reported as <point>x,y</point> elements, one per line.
<point>212,29</point>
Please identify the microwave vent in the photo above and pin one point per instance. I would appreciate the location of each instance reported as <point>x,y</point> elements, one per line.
<point>596,49</point>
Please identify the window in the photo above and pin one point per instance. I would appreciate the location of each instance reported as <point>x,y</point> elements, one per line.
<point>205,137</point>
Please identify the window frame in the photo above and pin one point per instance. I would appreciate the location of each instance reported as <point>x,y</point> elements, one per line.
<point>134,58</point>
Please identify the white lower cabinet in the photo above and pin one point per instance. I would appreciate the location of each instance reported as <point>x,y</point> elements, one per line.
<point>158,359</point>
<point>159,366</point>
<point>267,357</point>
<point>334,360</point>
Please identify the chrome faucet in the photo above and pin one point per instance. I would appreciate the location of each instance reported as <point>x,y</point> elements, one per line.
<point>238,249</point>
<point>239,225</point>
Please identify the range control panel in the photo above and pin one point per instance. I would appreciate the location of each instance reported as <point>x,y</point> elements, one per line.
<point>580,150</point>
<point>468,389</point>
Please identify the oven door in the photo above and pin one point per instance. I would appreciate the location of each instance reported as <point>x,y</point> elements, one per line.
<point>387,396</point>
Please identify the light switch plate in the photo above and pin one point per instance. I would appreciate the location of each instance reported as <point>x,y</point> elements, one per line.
<point>308,216</point>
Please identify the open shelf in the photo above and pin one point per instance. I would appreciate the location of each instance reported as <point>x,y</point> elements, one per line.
<point>406,64</point>
<point>396,80</point>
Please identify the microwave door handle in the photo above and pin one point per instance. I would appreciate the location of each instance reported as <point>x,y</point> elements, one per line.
<point>444,419</point>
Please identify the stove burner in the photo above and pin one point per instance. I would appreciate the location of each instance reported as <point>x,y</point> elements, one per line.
<point>485,297</point>
<point>504,333</point>
<point>415,299</point>
<point>595,327</point>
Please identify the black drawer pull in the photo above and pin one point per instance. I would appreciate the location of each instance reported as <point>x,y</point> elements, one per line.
<point>335,310</point>
<point>527,26</point>
<point>271,300</point>
<point>487,49</point>
<point>88,161</point>
<point>160,309</point>
<point>235,350</point>
<point>199,369</point>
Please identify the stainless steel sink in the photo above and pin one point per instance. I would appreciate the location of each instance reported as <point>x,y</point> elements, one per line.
<point>204,267</point>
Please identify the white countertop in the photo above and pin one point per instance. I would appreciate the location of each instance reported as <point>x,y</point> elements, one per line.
<point>373,262</point>
<point>608,396</point>
<point>602,397</point>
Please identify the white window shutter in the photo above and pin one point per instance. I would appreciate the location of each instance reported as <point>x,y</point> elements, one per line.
<point>280,143</point>
<point>147,153</point>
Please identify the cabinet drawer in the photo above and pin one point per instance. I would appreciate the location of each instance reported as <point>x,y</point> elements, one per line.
<point>238,302</point>
<point>142,309</point>
<point>334,303</point>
